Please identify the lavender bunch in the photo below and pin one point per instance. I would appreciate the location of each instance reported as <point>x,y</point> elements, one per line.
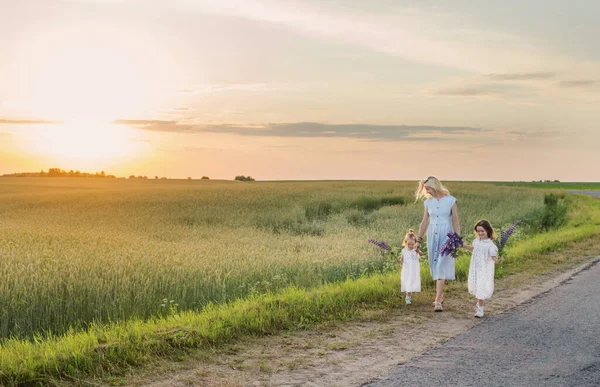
<point>381,244</point>
<point>452,245</point>
<point>504,235</point>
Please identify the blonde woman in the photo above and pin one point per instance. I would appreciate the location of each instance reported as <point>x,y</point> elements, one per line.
<point>440,217</point>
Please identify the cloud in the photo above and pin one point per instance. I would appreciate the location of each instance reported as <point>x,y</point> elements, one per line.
<point>416,34</point>
<point>27,122</point>
<point>311,130</point>
<point>159,125</point>
<point>521,76</point>
<point>251,87</point>
<point>579,83</point>
<point>466,92</point>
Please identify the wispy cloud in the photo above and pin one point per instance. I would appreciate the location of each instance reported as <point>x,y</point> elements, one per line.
<point>251,87</point>
<point>27,122</point>
<point>311,130</point>
<point>579,83</point>
<point>521,76</point>
<point>418,35</point>
<point>466,92</point>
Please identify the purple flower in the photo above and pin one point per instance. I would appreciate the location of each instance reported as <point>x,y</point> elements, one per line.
<point>452,245</point>
<point>381,244</point>
<point>504,235</point>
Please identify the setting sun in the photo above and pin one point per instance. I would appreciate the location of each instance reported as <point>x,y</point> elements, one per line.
<point>85,144</point>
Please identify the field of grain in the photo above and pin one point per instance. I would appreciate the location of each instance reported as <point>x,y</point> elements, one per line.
<point>77,251</point>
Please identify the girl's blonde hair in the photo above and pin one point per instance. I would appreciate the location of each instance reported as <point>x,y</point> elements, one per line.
<point>410,235</point>
<point>433,182</point>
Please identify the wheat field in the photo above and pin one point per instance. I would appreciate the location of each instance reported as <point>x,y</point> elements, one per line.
<point>78,251</point>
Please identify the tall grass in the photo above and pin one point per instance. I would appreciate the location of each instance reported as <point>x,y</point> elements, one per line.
<point>77,251</point>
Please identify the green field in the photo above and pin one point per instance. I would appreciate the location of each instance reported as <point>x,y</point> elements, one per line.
<point>77,251</point>
<point>102,275</point>
<point>553,185</point>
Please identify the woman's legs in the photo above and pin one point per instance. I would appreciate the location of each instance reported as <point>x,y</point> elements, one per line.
<point>439,290</point>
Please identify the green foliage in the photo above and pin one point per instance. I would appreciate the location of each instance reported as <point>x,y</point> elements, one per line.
<point>552,215</point>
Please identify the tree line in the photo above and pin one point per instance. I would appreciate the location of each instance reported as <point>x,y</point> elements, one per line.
<point>57,172</point>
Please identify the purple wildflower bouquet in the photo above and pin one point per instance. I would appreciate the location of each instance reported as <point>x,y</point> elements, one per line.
<point>381,244</point>
<point>504,235</point>
<point>452,245</point>
<point>392,253</point>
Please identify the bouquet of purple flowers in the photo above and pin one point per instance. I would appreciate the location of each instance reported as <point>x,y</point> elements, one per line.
<point>504,235</point>
<point>452,245</point>
<point>381,244</point>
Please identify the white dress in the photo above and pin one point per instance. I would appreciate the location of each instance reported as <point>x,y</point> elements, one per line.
<point>410,276</point>
<point>481,270</point>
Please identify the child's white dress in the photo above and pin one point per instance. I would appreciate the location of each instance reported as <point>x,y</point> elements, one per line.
<point>481,270</point>
<point>410,276</point>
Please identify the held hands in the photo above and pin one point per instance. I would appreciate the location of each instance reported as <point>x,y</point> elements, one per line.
<point>496,259</point>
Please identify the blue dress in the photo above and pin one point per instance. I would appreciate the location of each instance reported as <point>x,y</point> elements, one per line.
<point>440,224</point>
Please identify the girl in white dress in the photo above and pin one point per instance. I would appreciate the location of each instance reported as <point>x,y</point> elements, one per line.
<point>483,260</point>
<point>410,276</point>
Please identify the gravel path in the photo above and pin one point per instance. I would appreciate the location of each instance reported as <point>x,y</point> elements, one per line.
<point>553,340</point>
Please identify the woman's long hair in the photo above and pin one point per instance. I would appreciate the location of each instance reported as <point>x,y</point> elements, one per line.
<point>433,182</point>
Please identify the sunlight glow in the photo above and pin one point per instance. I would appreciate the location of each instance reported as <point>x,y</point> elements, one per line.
<point>85,143</point>
<point>93,72</point>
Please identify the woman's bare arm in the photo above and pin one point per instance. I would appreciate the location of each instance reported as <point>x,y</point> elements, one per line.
<point>455,221</point>
<point>424,224</point>
<point>422,228</point>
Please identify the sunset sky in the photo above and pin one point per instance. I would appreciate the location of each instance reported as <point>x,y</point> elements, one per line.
<point>279,89</point>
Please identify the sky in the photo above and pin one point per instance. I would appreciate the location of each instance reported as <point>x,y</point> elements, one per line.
<point>302,90</point>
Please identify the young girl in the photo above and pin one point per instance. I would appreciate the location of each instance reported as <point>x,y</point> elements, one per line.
<point>410,277</point>
<point>481,270</point>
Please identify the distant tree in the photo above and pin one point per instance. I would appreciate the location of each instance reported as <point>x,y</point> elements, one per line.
<point>205,177</point>
<point>244,178</point>
<point>163,178</point>
<point>189,178</point>
<point>131,177</point>
<point>155,177</point>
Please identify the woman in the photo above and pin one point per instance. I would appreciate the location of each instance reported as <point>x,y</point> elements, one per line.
<point>440,217</point>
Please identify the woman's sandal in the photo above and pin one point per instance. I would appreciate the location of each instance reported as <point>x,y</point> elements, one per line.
<point>437,307</point>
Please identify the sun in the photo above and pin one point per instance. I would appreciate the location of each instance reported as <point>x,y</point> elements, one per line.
<point>81,144</point>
